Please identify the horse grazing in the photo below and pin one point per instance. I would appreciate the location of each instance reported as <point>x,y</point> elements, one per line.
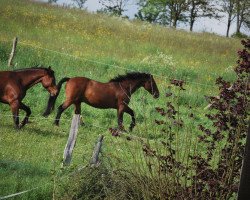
<point>114,94</point>
<point>14,84</point>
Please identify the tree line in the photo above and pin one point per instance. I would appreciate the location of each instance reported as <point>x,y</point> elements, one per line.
<point>172,12</point>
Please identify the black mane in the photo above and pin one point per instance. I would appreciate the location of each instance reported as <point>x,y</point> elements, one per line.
<point>35,68</point>
<point>29,68</point>
<point>130,76</point>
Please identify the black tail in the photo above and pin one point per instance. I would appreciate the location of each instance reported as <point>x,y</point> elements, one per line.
<point>52,99</point>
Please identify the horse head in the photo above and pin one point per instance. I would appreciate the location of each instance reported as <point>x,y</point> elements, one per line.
<point>49,81</point>
<point>151,87</point>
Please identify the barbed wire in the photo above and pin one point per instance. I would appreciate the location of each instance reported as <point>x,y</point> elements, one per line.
<point>43,185</point>
<point>66,119</point>
<point>110,65</point>
<point>65,175</point>
<point>38,118</point>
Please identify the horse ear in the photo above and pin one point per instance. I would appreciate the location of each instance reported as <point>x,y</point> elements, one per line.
<point>49,67</point>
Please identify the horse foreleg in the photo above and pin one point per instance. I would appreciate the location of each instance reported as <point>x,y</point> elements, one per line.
<point>131,113</point>
<point>14,105</point>
<point>120,112</point>
<point>28,113</point>
<point>60,110</point>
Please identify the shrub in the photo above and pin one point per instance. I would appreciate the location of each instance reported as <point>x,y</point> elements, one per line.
<point>215,173</point>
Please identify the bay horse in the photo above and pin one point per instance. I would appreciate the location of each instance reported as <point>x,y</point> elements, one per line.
<point>14,84</point>
<point>114,94</point>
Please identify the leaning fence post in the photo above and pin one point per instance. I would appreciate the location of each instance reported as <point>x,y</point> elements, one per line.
<point>244,192</point>
<point>94,159</point>
<point>71,140</point>
<point>13,51</point>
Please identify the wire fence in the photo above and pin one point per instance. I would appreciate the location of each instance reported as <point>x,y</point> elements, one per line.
<point>44,185</point>
<point>80,168</point>
<point>97,62</point>
<point>60,170</point>
<point>110,65</point>
<point>38,118</point>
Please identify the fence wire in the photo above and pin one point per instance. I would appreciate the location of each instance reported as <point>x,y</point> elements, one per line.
<point>38,118</point>
<point>106,64</point>
<point>43,185</point>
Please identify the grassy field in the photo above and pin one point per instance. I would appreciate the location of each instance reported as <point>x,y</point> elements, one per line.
<point>77,43</point>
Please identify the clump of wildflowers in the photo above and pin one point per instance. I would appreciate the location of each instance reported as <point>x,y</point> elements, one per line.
<point>160,59</point>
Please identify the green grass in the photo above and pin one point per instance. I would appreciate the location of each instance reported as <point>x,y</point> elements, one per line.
<point>101,47</point>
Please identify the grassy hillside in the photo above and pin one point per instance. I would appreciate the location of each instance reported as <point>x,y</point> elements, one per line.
<point>77,43</point>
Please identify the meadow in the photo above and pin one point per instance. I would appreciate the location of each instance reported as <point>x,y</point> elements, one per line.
<point>77,43</point>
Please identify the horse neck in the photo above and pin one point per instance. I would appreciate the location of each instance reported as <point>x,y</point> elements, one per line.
<point>30,77</point>
<point>130,86</point>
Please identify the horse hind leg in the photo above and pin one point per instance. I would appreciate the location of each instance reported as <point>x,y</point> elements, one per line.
<point>77,108</point>
<point>14,105</point>
<point>28,113</point>
<point>60,110</point>
<point>78,112</point>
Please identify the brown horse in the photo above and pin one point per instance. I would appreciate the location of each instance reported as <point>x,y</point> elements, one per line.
<point>14,84</point>
<point>114,94</point>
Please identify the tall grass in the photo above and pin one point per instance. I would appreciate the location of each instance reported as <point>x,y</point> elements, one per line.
<point>98,47</point>
<point>200,166</point>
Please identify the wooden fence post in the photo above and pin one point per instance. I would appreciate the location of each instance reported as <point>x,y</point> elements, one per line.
<point>13,51</point>
<point>71,140</point>
<point>94,159</point>
<point>244,190</point>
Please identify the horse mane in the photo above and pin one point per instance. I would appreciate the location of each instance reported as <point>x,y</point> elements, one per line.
<point>130,76</point>
<point>36,67</point>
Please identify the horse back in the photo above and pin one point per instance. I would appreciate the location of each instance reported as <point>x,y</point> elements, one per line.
<point>94,93</point>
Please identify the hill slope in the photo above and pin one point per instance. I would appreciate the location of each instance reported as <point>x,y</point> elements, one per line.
<point>77,43</point>
<point>100,37</point>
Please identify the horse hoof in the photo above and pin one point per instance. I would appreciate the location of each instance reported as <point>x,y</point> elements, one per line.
<point>56,124</point>
<point>45,114</point>
<point>115,132</point>
<point>124,131</point>
<point>82,124</point>
<point>22,125</point>
<point>18,127</point>
<point>24,122</point>
<point>131,127</point>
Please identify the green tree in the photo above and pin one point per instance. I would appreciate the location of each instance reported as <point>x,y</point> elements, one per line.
<point>113,7</point>
<point>247,21</point>
<point>200,8</point>
<point>228,6</point>
<point>242,14</point>
<point>176,10</point>
<point>80,3</point>
<point>151,11</point>
<point>52,1</point>
<point>163,11</point>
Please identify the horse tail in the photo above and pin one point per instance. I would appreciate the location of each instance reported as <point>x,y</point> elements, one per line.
<point>52,99</point>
